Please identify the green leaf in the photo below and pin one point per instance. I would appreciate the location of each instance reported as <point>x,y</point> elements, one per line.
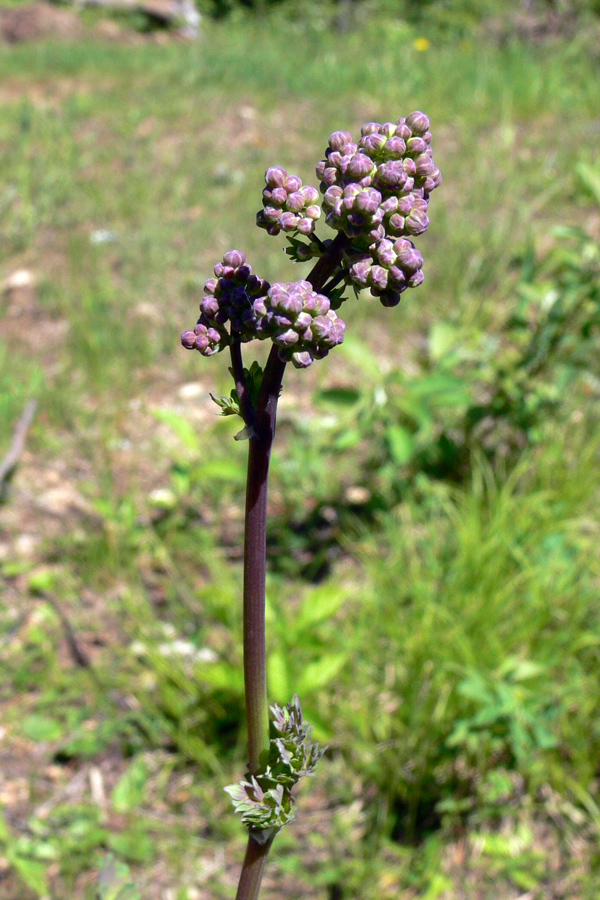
<point>42,729</point>
<point>5,834</point>
<point>135,846</point>
<point>442,387</point>
<point>590,178</point>
<point>318,604</point>
<point>348,438</point>
<point>220,675</point>
<point>130,789</point>
<point>278,677</point>
<point>31,871</point>
<point>401,443</point>
<point>318,674</point>
<point>360,353</point>
<point>338,396</point>
<point>223,470</point>
<point>186,432</point>
<point>442,338</point>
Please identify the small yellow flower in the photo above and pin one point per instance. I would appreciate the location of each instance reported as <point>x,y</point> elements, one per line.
<point>421,44</point>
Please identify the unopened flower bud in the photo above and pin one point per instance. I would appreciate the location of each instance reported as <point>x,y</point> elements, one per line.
<point>402,130</point>
<point>424,165</point>
<point>372,144</point>
<point>275,176</point>
<point>310,194</point>
<point>370,128</point>
<point>234,258</point>
<point>386,253</point>
<point>407,255</point>
<point>302,359</point>
<point>395,148</point>
<point>415,146</point>
<point>359,166</point>
<point>379,277</point>
<point>396,224</point>
<point>417,222</point>
<point>339,139</point>
<point>292,183</point>
<point>391,175</point>
<point>416,279</point>
<point>188,339</point>
<point>368,201</point>
<point>418,122</point>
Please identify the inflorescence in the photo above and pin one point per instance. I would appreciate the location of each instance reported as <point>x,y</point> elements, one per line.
<point>376,196</point>
<point>265,801</point>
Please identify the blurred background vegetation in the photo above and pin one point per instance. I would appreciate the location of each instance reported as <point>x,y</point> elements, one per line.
<point>433,594</point>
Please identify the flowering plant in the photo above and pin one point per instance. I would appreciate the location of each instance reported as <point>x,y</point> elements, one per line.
<point>376,197</point>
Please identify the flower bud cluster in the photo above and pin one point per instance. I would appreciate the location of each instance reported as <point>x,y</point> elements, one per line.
<point>387,269</point>
<point>288,204</point>
<point>300,321</point>
<point>231,297</point>
<point>265,801</point>
<point>376,192</point>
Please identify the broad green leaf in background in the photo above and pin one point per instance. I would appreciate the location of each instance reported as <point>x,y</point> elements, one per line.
<point>278,677</point>
<point>186,432</point>
<point>340,396</point>
<point>42,729</point>
<point>136,846</point>
<point>590,178</point>
<point>4,832</point>
<point>442,338</point>
<point>316,675</point>
<point>401,443</point>
<point>31,871</point>
<point>130,789</point>
<point>320,603</point>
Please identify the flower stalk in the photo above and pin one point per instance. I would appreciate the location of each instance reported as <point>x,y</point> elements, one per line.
<point>376,197</point>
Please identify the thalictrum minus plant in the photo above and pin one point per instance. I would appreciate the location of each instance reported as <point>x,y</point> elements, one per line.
<point>376,197</point>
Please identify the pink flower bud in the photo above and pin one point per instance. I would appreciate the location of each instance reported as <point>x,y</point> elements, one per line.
<point>188,339</point>
<point>288,221</point>
<point>295,202</point>
<point>305,225</point>
<point>367,201</point>
<point>302,359</point>
<point>396,223</point>
<point>234,258</point>
<point>418,122</point>
<point>312,212</point>
<point>359,166</point>
<point>425,166</point>
<point>402,130</point>
<point>292,183</point>
<point>310,194</point>
<point>378,277</point>
<point>415,146</point>
<point>372,144</point>
<point>395,148</point>
<point>279,196</point>
<point>275,176</point>
<point>339,139</point>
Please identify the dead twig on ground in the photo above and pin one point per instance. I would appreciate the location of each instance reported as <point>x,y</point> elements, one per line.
<point>10,461</point>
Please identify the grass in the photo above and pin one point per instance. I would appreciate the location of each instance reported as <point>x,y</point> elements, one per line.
<point>444,638</point>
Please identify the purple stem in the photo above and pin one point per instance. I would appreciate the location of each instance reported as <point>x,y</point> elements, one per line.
<point>262,423</point>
